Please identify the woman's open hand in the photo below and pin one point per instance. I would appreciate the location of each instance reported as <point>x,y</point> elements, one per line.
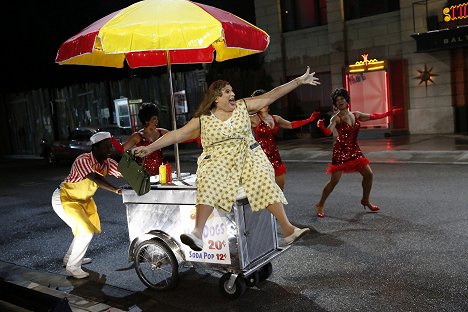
<point>140,151</point>
<point>308,78</point>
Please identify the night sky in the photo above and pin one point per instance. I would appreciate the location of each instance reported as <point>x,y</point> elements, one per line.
<point>32,32</point>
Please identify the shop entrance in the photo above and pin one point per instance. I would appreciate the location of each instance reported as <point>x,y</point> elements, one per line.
<point>375,86</point>
<point>369,94</point>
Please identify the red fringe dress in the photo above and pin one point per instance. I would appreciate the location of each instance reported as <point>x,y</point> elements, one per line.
<point>347,156</point>
<point>265,136</point>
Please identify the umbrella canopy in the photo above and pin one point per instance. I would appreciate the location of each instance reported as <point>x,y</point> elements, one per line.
<point>145,32</point>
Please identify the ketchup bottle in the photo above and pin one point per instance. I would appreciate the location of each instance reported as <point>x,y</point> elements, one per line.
<point>168,172</point>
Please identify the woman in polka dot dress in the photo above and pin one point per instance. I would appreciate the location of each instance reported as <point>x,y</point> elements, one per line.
<point>231,156</point>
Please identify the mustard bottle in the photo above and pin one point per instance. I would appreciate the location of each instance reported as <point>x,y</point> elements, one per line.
<point>162,174</point>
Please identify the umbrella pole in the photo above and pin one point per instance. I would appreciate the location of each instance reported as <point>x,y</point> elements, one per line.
<point>173,113</point>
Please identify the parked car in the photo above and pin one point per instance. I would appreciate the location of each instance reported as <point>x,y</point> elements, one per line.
<point>78,143</point>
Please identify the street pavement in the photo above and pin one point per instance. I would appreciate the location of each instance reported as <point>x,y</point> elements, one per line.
<point>414,149</point>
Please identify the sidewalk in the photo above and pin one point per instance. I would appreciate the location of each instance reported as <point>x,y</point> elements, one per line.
<point>417,149</point>
<point>51,292</point>
<point>411,149</point>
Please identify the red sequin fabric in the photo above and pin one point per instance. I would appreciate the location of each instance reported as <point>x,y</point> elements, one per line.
<point>153,160</point>
<point>347,156</point>
<point>265,136</point>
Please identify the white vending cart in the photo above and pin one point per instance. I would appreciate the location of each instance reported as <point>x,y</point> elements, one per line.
<point>240,244</point>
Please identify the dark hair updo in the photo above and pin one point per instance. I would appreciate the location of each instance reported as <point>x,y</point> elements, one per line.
<point>147,111</point>
<point>339,92</point>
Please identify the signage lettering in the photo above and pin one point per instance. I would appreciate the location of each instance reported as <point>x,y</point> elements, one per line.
<point>455,12</point>
<point>456,39</point>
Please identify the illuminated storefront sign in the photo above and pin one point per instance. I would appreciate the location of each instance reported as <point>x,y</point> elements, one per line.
<point>455,12</point>
<point>366,65</point>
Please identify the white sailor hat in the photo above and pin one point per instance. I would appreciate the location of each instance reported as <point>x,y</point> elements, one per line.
<point>99,136</point>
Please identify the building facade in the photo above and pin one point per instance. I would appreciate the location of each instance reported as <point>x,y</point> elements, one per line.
<point>388,53</point>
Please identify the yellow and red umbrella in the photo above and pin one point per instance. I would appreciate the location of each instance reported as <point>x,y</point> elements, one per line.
<point>163,32</point>
<point>160,32</point>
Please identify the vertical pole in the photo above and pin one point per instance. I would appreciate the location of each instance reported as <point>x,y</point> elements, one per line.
<point>173,113</point>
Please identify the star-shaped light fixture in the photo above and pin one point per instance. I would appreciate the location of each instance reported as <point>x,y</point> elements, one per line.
<point>425,75</point>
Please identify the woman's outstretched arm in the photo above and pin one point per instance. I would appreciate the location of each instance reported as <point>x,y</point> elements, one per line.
<point>190,131</point>
<point>255,103</point>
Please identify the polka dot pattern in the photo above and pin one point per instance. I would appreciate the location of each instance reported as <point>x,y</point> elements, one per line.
<point>231,157</point>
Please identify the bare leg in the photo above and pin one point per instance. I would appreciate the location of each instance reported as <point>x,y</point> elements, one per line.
<point>194,239</point>
<point>280,181</point>
<point>203,213</point>
<point>328,188</point>
<point>367,177</point>
<point>277,209</point>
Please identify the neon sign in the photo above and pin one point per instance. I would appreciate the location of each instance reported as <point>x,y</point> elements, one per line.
<point>455,12</point>
<point>366,64</point>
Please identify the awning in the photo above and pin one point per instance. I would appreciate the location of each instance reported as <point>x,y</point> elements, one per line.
<point>442,39</point>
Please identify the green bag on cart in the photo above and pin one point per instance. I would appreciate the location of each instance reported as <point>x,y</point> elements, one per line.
<point>134,173</point>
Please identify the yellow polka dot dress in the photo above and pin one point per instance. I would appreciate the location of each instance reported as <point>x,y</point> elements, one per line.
<point>231,157</point>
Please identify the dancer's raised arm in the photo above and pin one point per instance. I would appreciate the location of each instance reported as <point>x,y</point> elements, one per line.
<point>254,104</point>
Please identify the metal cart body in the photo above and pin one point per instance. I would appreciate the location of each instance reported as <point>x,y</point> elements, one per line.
<point>240,243</point>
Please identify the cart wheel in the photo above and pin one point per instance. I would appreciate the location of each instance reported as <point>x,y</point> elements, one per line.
<point>237,289</point>
<point>156,265</point>
<point>253,279</point>
<point>265,271</point>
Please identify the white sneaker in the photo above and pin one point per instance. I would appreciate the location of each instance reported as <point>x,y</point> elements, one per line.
<point>192,241</point>
<point>77,272</point>
<point>295,236</point>
<point>84,261</point>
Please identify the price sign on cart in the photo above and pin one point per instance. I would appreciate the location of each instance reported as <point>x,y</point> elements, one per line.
<point>215,237</point>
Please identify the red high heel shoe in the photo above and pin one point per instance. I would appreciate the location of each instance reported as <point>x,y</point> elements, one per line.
<point>320,214</point>
<point>372,208</point>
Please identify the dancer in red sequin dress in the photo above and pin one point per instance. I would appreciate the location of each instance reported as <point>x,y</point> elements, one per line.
<point>347,156</point>
<point>148,116</point>
<point>265,128</point>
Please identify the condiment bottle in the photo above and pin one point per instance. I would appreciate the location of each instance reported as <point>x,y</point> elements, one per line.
<point>168,172</point>
<point>162,174</point>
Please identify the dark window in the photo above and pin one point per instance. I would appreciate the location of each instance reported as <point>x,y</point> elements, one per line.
<point>362,8</point>
<point>299,14</point>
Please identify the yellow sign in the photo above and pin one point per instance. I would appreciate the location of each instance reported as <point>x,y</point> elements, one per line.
<point>366,65</point>
<point>455,12</point>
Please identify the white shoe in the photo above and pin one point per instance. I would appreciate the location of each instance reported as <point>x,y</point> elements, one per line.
<point>77,272</point>
<point>295,236</point>
<point>84,261</point>
<point>192,241</point>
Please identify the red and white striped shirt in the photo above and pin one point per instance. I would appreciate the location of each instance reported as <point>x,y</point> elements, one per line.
<point>85,163</point>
